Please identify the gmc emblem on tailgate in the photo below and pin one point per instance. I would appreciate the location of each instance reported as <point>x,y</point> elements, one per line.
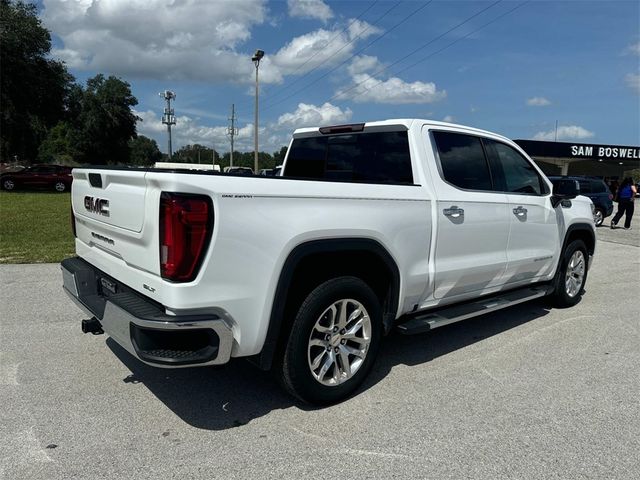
<point>97,205</point>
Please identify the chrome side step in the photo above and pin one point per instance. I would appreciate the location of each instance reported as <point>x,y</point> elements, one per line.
<point>422,323</point>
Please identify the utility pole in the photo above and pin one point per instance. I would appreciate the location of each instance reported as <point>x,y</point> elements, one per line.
<point>168,118</point>
<point>256,61</point>
<point>232,131</point>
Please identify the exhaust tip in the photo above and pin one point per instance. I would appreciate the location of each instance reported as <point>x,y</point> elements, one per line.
<point>92,326</point>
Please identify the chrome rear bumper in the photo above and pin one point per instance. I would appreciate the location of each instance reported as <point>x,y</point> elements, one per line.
<point>141,326</point>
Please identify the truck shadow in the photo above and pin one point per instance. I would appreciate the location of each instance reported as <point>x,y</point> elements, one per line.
<point>233,395</point>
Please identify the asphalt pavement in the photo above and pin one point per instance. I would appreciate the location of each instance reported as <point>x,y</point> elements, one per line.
<point>526,393</point>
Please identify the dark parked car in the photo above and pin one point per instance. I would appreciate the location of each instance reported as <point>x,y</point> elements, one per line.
<point>597,191</point>
<point>51,177</point>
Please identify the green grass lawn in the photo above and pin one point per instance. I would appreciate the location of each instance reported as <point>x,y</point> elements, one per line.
<point>35,227</point>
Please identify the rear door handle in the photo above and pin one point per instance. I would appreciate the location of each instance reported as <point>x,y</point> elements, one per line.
<point>520,211</point>
<point>453,212</point>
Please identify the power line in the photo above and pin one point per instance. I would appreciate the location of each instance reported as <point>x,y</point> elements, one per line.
<point>413,52</point>
<point>282,89</point>
<point>339,50</point>
<point>356,53</point>
<point>433,53</point>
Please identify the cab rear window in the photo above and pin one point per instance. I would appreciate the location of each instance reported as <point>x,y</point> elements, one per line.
<point>377,157</point>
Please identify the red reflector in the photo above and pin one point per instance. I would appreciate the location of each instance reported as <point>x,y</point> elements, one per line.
<point>186,223</point>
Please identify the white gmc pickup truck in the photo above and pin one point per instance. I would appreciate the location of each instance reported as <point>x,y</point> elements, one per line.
<point>411,224</point>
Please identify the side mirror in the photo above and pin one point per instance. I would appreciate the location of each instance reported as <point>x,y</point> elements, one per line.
<point>564,189</point>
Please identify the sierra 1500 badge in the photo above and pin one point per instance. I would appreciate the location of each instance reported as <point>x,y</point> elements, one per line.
<point>97,205</point>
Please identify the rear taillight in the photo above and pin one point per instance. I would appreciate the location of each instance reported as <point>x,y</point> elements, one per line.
<point>186,223</point>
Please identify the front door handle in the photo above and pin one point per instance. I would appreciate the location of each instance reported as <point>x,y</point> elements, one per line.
<point>520,211</point>
<point>453,212</point>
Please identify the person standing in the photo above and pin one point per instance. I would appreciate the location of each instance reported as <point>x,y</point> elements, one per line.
<point>626,194</point>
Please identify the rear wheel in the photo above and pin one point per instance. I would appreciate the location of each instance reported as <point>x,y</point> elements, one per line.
<point>598,217</point>
<point>8,184</point>
<point>572,275</point>
<point>60,186</point>
<point>333,342</point>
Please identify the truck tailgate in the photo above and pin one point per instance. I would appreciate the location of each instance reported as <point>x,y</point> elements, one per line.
<point>111,210</point>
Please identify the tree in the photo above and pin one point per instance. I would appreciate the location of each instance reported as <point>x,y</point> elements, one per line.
<point>106,122</point>
<point>60,145</point>
<point>144,151</point>
<point>33,88</point>
<point>195,154</point>
<point>278,156</point>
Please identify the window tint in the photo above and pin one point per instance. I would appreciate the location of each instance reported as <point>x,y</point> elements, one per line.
<point>43,169</point>
<point>462,160</point>
<point>513,171</point>
<point>307,158</point>
<point>585,186</point>
<point>599,187</point>
<point>381,157</point>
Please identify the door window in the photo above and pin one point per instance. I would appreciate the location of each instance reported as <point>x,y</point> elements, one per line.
<point>513,172</point>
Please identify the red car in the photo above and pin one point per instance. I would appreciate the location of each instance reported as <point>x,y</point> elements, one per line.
<point>56,177</point>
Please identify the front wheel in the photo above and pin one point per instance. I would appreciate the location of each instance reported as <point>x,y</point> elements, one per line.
<point>60,186</point>
<point>572,275</point>
<point>598,217</point>
<point>8,184</point>
<point>333,342</point>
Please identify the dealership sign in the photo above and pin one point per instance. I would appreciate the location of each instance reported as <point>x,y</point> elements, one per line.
<point>604,152</point>
<point>566,150</point>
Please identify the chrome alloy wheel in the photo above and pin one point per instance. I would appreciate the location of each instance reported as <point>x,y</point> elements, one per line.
<point>339,342</point>
<point>598,217</point>
<point>60,186</point>
<point>8,185</point>
<point>574,277</point>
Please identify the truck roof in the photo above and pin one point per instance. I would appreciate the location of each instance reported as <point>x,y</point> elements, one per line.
<point>395,122</point>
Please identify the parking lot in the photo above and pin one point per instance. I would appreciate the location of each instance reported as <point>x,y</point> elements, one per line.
<point>528,392</point>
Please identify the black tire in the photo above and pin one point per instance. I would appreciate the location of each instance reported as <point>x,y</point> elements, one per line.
<point>566,293</point>
<point>598,219</point>
<point>8,184</point>
<point>295,370</point>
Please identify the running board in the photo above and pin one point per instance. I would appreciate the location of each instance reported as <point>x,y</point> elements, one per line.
<point>428,321</point>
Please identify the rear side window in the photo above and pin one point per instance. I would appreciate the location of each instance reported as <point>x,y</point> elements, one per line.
<point>462,160</point>
<point>380,157</point>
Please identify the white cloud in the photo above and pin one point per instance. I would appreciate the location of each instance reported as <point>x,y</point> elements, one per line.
<point>633,81</point>
<point>363,63</point>
<point>310,9</point>
<point>565,132</point>
<point>633,49</point>
<point>448,118</point>
<point>367,88</point>
<point>160,39</point>
<point>306,52</point>
<point>307,115</point>
<point>272,136</point>
<point>538,102</point>
<point>188,131</point>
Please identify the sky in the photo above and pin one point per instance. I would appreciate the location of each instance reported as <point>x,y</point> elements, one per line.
<point>511,67</point>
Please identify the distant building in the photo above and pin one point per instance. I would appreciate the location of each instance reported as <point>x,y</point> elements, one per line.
<point>565,158</point>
